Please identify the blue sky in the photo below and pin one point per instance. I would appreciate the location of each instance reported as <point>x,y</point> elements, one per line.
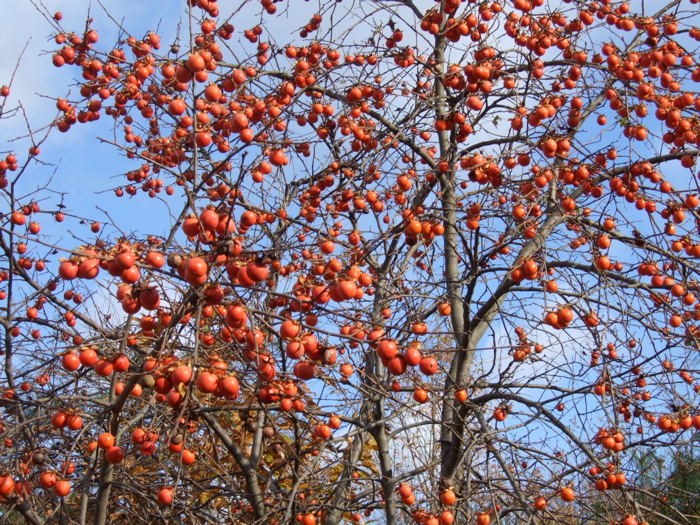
<point>84,167</point>
<point>80,165</point>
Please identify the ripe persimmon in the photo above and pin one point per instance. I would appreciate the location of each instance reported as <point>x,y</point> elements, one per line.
<point>567,494</point>
<point>62,488</point>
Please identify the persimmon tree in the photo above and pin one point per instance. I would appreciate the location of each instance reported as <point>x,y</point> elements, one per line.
<point>409,262</point>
